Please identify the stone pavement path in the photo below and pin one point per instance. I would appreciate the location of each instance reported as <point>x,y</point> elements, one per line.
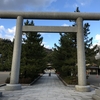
<point>46,88</point>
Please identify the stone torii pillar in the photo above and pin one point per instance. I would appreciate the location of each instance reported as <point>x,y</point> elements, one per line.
<point>14,79</point>
<point>82,85</point>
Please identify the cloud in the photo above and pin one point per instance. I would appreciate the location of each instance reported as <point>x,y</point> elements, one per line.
<point>77,3</point>
<point>70,3</point>
<point>96,40</point>
<point>42,33</point>
<point>0,35</point>
<point>1,29</point>
<point>45,45</point>
<point>65,24</point>
<point>83,2</point>
<point>11,37</point>
<point>7,33</point>
<point>24,4</point>
<point>97,37</point>
<point>11,30</point>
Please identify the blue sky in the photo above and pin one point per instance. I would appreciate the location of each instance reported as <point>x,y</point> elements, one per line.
<point>7,26</point>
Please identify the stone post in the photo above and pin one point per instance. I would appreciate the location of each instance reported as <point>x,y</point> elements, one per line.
<point>0,94</point>
<point>14,79</point>
<point>81,58</point>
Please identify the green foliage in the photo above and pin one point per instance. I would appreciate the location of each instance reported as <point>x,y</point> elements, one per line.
<point>90,52</point>
<point>72,80</point>
<point>33,54</point>
<point>65,55</point>
<point>49,55</point>
<point>64,58</point>
<point>6,49</point>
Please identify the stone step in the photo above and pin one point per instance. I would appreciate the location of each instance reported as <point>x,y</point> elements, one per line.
<point>0,94</point>
<point>95,97</point>
<point>97,92</point>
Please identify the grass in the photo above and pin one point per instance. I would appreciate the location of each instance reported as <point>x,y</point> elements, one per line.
<point>27,80</point>
<point>71,80</point>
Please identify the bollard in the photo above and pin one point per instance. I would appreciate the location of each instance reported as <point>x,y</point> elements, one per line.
<point>0,94</point>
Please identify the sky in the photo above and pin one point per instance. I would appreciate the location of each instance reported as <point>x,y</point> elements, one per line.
<point>8,26</point>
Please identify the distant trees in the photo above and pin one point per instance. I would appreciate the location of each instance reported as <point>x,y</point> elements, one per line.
<point>49,55</point>
<point>6,50</point>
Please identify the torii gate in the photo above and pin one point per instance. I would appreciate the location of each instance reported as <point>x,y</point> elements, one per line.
<point>79,17</point>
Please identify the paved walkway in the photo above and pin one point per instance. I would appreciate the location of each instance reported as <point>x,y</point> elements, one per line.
<point>46,88</point>
<point>94,80</point>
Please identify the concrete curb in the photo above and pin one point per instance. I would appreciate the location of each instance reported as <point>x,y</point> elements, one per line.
<point>0,94</point>
<point>25,84</point>
<point>36,80</point>
<point>64,81</point>
<point>2,84</point>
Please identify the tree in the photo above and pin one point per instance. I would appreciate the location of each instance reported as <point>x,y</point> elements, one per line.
<point>90,52</point>
<point>49,55</point>
<point>6,49</point>
<point>65,55</point>
<point>33,54</point>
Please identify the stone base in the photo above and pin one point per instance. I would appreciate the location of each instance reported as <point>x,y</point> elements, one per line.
<point>82,88</point>
<point>0,94</point>
<point>97,95</point>
<point>12,87</point>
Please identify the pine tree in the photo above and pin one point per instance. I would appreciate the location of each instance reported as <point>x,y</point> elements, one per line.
<point>65,55</point>
<point>90,52</point>
<point>33,54</point>
<point>6,49</point>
